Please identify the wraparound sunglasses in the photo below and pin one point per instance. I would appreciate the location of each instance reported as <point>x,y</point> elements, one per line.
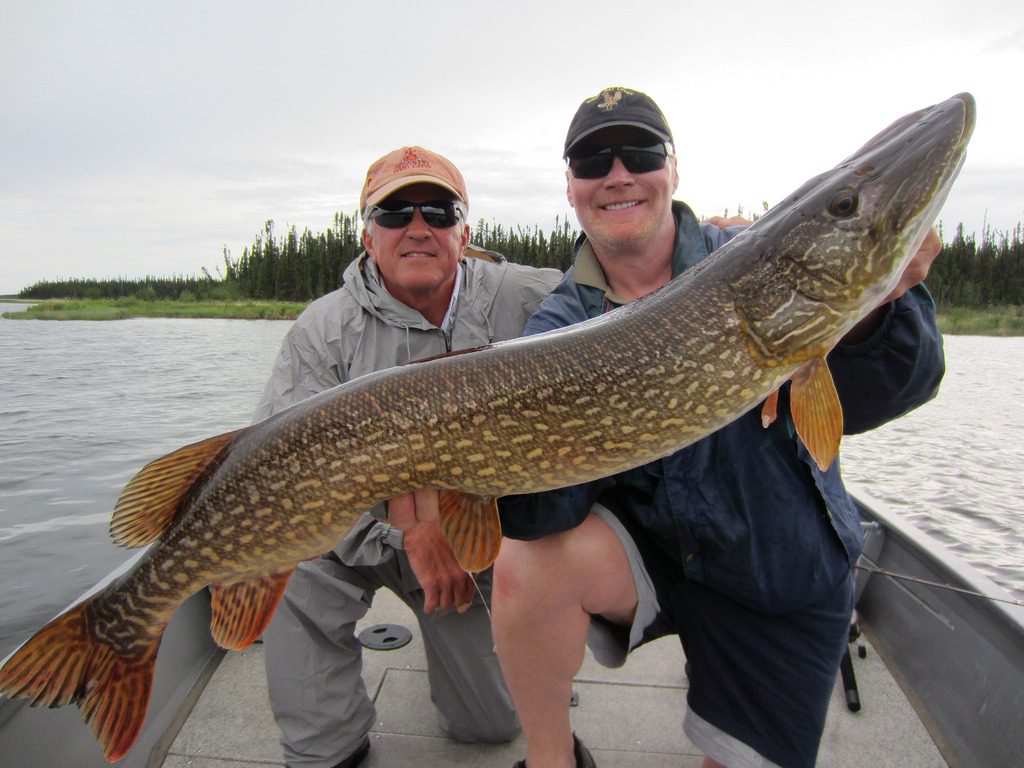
<point>595,162</point>
<point>395,214</point>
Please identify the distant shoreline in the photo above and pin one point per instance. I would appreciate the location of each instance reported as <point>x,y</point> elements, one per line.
<point>123,309</point>
<point>994,321</point>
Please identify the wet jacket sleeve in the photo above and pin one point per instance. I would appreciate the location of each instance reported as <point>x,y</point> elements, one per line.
<point>894,371</point>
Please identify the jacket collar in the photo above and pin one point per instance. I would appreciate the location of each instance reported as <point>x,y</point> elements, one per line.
<point>598,297</point>
<point>363,280</point>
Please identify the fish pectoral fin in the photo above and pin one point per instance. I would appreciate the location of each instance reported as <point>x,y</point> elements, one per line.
<point>817,412</point>
<point>243,609</point>
<point>770,410</point>
<point>473,528</point>
<point>149,503</point>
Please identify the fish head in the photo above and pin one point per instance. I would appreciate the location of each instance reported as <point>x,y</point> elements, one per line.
<point>835,249</point>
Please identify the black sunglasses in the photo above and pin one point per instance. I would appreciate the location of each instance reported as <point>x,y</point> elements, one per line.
<point>395,214</point>
<point>595,162</point>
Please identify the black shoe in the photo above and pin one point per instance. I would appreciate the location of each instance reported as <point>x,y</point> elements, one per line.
<point>357,757</point>
<point>583,757</point>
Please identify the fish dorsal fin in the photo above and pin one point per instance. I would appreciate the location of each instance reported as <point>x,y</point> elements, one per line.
<point>242,609</point>
<point>473,528</point>
<point>817,412</point>
<point>149,503</point>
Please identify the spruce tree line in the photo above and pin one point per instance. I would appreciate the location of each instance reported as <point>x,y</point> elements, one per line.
<point>973,272</point>
<point>979,272</point>
<point>150,288</point>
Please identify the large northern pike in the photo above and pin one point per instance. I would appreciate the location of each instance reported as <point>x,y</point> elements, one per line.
<point>239,511</point>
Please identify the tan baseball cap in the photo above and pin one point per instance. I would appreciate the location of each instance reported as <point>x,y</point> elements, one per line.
<point>410,165</point>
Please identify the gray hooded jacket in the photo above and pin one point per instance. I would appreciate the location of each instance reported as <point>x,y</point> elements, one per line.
<point>361,328</point>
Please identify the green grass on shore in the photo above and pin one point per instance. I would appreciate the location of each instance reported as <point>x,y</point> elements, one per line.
<point>995,321</point>
<point>121,309</point>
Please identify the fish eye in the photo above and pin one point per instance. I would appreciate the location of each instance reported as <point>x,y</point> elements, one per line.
<point>844,204</point>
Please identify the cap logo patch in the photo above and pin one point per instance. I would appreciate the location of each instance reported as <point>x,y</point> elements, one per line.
<point>610,100</point>
<point>411,160</point>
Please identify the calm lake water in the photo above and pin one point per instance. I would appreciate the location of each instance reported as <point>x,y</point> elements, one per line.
<point>83,405</point>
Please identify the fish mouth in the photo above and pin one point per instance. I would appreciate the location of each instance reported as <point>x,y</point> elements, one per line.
<point>901,179</point>
<point>970,116</point>
<point>901,176</point>
<point>935,137</point>
<point>945,117</point>
<point>841,242</point>
<point>959,110</point>
<point>958,113</point>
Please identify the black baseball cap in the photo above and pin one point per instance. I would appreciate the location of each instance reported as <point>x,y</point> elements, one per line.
<point>617,106</point>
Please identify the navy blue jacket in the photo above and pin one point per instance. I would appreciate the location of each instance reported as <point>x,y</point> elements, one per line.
<point>746,510</point>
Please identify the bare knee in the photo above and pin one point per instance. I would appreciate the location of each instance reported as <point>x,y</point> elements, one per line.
<point>517,565</point>
<point>585,566</point>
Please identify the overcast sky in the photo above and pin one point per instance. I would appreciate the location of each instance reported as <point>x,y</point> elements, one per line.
<point>143,137</point>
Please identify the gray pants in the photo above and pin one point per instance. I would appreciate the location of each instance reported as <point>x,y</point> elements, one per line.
<point>314,661</point>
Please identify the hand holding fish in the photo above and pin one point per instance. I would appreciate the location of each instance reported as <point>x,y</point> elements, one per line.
<point>445,584</point>
<point>728,221</point>
<point>919,265</point>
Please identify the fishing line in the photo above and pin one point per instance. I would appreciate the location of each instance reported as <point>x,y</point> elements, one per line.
<point>482,598</point>
<point>936,584</point>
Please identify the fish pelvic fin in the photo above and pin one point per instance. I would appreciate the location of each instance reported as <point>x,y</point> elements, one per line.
<point>817,412</point>
<point>243,609</point>
<point>64,663</point>
<point>770,410</point>
<point>149,504</point>
<point>473,528</point>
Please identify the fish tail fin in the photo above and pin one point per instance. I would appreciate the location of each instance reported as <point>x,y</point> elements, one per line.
<point>64,663</point>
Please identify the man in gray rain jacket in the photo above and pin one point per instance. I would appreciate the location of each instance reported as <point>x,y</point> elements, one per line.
<point>411,295</point>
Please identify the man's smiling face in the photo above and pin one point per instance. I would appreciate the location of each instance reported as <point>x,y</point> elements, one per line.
<point>622,208</point>
<point>417,260</point>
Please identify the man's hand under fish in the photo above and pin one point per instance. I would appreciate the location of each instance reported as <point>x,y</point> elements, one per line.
<point>445,584</point>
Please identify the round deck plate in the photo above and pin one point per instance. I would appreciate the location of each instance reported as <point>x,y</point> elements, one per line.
<point>385,637</point>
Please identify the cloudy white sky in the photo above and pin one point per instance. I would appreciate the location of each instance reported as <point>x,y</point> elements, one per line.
<point>141,137</point>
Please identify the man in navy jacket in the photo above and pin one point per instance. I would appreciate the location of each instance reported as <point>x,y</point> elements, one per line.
<point>739,544</point>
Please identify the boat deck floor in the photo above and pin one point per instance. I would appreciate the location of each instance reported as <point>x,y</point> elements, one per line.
<point>629,717</point>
